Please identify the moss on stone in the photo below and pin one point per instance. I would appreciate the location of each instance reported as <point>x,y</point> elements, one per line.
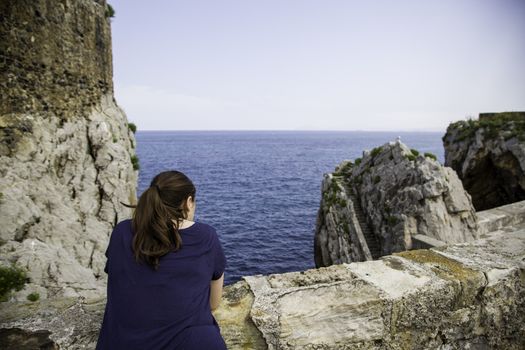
<point>33,297</point>
<point>234,315</point>
<point>443,267</point>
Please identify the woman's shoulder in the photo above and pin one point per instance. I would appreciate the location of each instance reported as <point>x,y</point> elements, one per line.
<point>205,231</point>
<point>124,222</point>
<point>123,228</point>
<point>202,228</point>
<point>123,225</point>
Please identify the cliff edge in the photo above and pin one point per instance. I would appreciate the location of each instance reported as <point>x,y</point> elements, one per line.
<point>66,148</point>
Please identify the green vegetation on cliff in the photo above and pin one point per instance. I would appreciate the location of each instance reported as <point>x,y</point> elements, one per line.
<point>493,124</point>
<point>33,297</point>
<point>132,127</point>
<point>414,153</point>
<point>135,162</point>
<point>110,11</point>
<point>330,196</point>
<point>430,155</point>
<point>11,278</point>
<point>412,156</point>
<point>376,151</point>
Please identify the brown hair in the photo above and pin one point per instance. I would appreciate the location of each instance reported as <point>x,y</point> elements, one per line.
<point>157,214</point>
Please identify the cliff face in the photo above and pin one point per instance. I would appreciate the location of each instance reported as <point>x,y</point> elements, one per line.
<point>377,205</point>
<point>489,156</point>
<point>465,296</point>
<point>65,145</point>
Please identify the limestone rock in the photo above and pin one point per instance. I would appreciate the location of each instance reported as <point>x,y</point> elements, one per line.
<point>463,296</point>
<point>65,149</point>
<point>61,198</point>
<point>489,156</point>
<point>375,206</point>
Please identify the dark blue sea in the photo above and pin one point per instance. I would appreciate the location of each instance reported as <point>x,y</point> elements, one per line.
<point>261,189</point>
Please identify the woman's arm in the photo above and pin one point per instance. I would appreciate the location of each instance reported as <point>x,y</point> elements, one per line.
<point>216,292</point>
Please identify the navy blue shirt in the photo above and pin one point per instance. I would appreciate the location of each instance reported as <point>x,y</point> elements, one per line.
<point>164,309</point>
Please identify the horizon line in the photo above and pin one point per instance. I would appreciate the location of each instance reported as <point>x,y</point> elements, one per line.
<point>284,130</point>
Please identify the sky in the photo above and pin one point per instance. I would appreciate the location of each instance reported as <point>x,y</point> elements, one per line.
<point>374,65</point>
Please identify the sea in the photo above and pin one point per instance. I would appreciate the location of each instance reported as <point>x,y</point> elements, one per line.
<point>261,190</point>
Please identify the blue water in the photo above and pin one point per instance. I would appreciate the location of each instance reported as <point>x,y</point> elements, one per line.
<point>261,189</point>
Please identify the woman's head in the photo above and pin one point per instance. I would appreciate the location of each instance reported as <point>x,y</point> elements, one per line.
<point>158,214</point>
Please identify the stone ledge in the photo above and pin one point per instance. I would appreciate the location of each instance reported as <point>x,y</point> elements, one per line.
<point>425,242</point>
<point>500,217</point>
<point>468,295</point>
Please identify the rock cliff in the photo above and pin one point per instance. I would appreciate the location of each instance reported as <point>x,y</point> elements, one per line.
<point>464,296</point>
<point>65,152</point>
<point>489,156</point>
<point>382,202</point>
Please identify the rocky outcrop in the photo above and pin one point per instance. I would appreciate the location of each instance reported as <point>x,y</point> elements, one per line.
<point>464,296</point>
<point>489,156</point>
<point>65,154</point>
<point>401,194</point>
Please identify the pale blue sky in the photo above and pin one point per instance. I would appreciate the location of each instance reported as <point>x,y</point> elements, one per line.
<point>316,65</point>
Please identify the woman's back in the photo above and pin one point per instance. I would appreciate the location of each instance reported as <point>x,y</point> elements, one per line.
<point>164,309</point>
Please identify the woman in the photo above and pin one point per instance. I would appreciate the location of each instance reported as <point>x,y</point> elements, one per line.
<point>165,274</point>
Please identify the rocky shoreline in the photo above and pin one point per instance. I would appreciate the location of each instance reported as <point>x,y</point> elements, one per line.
<point>67,160</point>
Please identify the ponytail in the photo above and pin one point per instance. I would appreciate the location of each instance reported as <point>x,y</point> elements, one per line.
<point>157,216</point>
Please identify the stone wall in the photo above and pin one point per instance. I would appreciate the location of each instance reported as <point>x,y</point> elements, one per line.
<point>463,296</point>
<point>65,151</point>
<point>55,56</point>
<point>499,218</point>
